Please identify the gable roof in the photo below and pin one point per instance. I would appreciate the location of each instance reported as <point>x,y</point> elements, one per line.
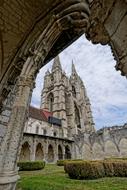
<point>37,113</point>
<point>47,114</point>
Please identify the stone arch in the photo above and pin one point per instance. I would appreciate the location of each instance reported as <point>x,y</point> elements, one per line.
<point>86,152</point>
<point>73,91</point>
<point>123,147</point>
<point>67,152</point>
<point>50,153</point>
<point>111,149</point>
<point>39,155</point>
<point>97,151</point>
<point>60,152</point>
<point>101,22</point>
<point>25,152</point>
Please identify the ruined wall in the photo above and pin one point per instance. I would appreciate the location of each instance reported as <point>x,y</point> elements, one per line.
<point>105,143</point>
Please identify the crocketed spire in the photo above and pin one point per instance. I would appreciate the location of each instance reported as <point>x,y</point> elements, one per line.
<point>56,63</point>
<point>73,69</point>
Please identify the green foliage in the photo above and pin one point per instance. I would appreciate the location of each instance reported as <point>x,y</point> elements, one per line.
<point>108,168</point>
<point>62,162</point>
<point>31,165</point>
<point>53,177</point>
<point>84,169</point>
<point>96,169</point>
<point>116,158</point>
<point>120,168</point>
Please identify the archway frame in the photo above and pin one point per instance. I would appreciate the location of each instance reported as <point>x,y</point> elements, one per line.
<point>74,17</point>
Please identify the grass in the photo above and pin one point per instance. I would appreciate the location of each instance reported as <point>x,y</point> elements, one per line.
<point>54,178</point>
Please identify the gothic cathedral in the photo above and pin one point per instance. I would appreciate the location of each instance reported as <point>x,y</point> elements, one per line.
<point>56,130</point>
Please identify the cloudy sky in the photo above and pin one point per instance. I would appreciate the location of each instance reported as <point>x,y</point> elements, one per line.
<point>106,88</point>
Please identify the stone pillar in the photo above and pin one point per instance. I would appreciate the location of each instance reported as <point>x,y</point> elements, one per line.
<point>56,152</point>
<point>33,151</point>
<point>63,152</point>
<point>10,146</point>
<point>46,152</point>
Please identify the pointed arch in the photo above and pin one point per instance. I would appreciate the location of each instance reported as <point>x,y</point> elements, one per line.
<point>67,152</point>
<point>50,101</point>
<point>73,91</point>
<point>50,153</point>
<point>39,155</point>
<point>97,151</point>
<point>111,149</point>
<point>77,116</point>
<point>25,152</point>
<point>60,153</point>
<point>123,147</point>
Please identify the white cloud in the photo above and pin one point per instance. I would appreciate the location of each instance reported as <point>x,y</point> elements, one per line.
<point>105,86</point>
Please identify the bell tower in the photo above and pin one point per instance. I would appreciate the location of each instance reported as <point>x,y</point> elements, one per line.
<point>53,93</point>
<point>82,109</point>
<point>67,99</point>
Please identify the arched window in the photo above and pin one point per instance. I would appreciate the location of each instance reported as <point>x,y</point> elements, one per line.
<point>44,132</point>
<point>73,91</point>
<point>54,133</point>
<point>77,117</point>
<point>37,129</point>
<point>50,102</point>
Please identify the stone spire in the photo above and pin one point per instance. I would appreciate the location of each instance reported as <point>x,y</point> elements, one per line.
<point>56,64</point>
<point>73,69</point>
<point>47,73</point>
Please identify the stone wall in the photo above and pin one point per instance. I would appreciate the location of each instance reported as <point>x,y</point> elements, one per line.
<point>106,142</point>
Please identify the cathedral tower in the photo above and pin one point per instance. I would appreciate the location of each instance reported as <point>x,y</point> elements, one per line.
<point>53,93</point>
<point>67,99</point>
<point>82,108</point>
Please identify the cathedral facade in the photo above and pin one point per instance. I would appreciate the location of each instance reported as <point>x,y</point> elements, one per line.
<point>56,130</point>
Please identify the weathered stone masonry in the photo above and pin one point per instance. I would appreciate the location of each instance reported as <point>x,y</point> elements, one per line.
<point>65,101</point>
<point>56,23</point>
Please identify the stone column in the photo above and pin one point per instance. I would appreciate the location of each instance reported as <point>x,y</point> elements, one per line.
<point>33,151</point>
<point>63,152</point>
<point>55,152</point>
<point>10,146</point>
<point>46,152</point>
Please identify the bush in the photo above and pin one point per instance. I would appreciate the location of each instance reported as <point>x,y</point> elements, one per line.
<point>120,168</point>
<point>62,162</point>
<point>96,169</point>
<point>108,168</point>
<point>31,165</point>
<point>84,169</point>
<point>116,158</point>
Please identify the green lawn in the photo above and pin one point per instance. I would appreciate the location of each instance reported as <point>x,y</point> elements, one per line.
<point>54,178</point>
